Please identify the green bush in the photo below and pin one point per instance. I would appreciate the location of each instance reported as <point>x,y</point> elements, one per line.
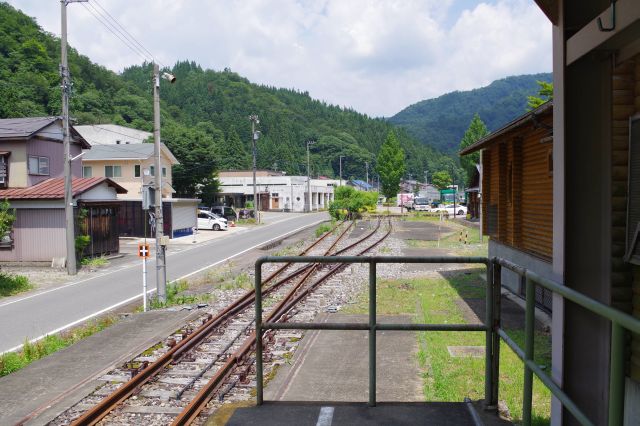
<point>13,284</point>
<point>82,241</point>
<point>349,203</point>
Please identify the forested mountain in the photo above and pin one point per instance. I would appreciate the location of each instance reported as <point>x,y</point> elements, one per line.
<point>204,114</point>
<point>442,121</point>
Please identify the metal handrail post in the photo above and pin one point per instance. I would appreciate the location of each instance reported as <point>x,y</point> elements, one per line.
<point>259,367</point>
<point>496,275</point>
<point>372,334</point>
<point>529,323</point>
<point>488,359</point>
<point>616,378</point>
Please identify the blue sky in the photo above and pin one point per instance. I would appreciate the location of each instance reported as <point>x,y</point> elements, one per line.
<point>376,56</point>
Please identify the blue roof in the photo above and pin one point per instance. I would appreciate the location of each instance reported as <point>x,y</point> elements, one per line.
<point>362,184</point>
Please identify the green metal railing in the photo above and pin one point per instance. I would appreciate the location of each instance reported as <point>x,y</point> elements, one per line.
<point>491,326</point>
<point>372,326</point>
<point>619,322</point>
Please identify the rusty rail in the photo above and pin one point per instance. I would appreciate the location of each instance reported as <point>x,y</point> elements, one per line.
<point>193,409</point>
<point>104,407</point>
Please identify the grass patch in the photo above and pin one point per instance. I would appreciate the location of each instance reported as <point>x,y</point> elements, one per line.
<point>462,239</point>
<point>13,284</point>
<point>290,250</point>
<point>14,361</point>
<point>94,262</point>
<point>432,300</point>
<point>177,295</point>
<point>324,227</point>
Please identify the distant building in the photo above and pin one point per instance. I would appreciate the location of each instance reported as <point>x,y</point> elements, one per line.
<point>360,185</point>
<point>275,190</point>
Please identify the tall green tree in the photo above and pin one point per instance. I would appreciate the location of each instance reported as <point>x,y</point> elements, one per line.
<point>545,93</point>
<point>476,131</point>
<point>441,179</point>
<point>391,166</point>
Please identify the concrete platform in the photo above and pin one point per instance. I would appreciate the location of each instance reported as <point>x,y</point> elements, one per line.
<point>42,390</point>
<point>334,365</point>
<point>331,414</point>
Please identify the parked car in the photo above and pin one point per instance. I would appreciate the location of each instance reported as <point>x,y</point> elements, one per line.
<point>226,212</point>
<point>208,220</point>
<point>448,208</point>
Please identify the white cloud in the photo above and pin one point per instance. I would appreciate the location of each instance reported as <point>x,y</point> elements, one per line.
<point>377,56</point>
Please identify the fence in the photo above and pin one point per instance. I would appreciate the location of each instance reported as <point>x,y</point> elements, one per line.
<point>491,327</point>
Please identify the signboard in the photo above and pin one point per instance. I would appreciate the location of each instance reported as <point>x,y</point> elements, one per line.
<point>143,250</point>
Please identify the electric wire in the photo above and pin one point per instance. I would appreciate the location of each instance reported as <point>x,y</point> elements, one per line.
<point>127,33</point>
<point>128,44</point>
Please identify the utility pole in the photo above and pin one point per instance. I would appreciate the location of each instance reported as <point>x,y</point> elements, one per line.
<point>161,271</point>
<point>254,137</point>
<point>341,157</point>
<point>161,267</point>
<point>366,163</point>
<point>68,189</point>
<point>309,142</point>
<point>426,177</point>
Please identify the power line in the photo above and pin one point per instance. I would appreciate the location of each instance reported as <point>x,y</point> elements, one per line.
<point>130,36</point>
<point>133,49</point>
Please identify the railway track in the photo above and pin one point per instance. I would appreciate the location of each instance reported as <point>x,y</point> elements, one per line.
<point>216,358</point>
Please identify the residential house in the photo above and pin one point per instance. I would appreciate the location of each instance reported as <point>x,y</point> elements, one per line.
<point>517,194</point>
<point>31,176</point>
<point>130,165</point>
<point>275,190</point>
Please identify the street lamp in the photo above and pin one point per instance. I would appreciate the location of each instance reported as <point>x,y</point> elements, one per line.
<point>254,137</point>
<point>309,142</point>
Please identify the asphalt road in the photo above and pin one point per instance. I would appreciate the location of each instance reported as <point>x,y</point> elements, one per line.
<point>47,312</point>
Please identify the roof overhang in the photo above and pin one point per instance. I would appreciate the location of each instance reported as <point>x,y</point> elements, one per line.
<point>531,116</point>
<point>549,8</point>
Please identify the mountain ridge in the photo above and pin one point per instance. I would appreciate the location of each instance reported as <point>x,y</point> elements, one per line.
<point>441,122</point>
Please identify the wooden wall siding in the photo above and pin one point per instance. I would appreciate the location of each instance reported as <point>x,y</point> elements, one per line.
<point>537,194</point>
<point>518,191</point>
<point>486,173</point>
<point>625,282</point>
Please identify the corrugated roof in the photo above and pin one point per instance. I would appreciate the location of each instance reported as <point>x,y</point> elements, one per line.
<point>134,151</point>
<point>362,183</point>
<point>545,108</point>
<point>53,189</point>
<point>26,127</point>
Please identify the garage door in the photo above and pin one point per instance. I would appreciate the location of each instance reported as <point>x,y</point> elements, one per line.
<point>183,216</point>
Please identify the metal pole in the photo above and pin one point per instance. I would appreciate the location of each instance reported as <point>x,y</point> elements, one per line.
<point>529,323</point>
<point>341,157</point>
<point>254,120</point>
<point>616,378</point>
<point>161,283</point>
<point>488,371</point>
<point>144,284</point>
<point>372,334</point>
<point>68,194</point>
<point>366,163</point>
<point>309,142</point>
<point>259,368</point>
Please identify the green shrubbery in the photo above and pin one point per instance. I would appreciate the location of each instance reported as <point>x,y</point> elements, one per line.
<point>13,284</point>
<point>349,203</point>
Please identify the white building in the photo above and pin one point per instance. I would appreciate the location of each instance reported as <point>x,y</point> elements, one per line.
<point>275,190</point>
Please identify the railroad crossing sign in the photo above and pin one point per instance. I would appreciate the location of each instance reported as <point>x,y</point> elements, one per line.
<point>143,250</point>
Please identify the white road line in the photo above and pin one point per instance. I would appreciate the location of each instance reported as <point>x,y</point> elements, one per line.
<point>325,418</point>
<point>135,264</point>
<point>88,317</point>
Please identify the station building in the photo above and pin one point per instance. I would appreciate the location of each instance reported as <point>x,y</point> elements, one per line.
<point>275,190</point>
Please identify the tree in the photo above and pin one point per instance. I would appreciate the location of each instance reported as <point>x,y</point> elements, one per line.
<point>476,131</point>
<point>442,179</point>
<point>349,202</point>
<point>391,165</point>
<point>545,94</point>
